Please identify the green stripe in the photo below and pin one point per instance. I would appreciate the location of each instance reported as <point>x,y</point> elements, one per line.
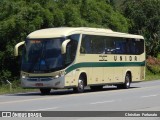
<point>103,64</point>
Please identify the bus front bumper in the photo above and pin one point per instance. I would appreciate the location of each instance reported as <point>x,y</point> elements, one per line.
<point>42,82</point>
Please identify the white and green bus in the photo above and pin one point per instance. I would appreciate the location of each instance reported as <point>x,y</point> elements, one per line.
<point>66,57</point>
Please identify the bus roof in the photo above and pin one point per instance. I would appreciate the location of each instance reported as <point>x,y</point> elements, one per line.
<point>65,31</point>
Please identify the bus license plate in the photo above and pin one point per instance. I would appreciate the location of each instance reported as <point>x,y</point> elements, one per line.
<point>39,84</point>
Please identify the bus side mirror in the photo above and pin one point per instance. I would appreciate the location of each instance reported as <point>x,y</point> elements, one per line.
<point>64,44</point>
<point>16,48</point>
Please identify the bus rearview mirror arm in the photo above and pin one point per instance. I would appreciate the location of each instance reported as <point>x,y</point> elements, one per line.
<point>64,44</point>
<point>16,48</point>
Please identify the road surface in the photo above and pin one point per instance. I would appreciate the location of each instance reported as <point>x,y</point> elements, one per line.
<point>143,96</point>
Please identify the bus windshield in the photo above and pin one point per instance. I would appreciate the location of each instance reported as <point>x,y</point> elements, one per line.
<point>42,55</point>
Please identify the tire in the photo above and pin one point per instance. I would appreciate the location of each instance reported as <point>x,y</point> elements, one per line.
<point>80,87</point>
<point>127,82</point>
<point>45,91</point>
<point>96,88</point>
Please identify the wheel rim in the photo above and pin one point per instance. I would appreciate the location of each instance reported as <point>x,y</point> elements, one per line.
<point>127,81</point>
<point>80,85</point>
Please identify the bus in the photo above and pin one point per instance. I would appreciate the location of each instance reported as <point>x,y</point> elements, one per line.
<point>68,57</point>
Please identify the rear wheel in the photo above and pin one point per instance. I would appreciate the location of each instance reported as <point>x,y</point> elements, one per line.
<point>45,91</point>
<point>127,82</point>
<point>80,87</point>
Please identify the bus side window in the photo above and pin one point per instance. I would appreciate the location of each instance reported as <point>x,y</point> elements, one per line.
<point>68,54</point>
<point>132,47</point>
<point>139,44</point>
<point>82,50</point>
<point>86,45</point>
<point>120,47</point>
<point>98,44</point>
<point>109,45</point>
<point>71,48</point>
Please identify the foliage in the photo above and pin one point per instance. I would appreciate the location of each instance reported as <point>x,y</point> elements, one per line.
<point>151,76</point>
<point>18,18</point>
<point>15,88</point>
<point>153,65</point>
<point>152,68</point>
<point>144,18</point>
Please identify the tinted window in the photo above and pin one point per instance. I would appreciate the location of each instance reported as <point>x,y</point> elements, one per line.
<point>71,48</point>
<point>92,44</point>
<point>42,55</point>
<point>86,45</point>
<point>129,46</point>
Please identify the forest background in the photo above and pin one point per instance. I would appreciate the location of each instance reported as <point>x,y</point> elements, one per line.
<point>18,18</point>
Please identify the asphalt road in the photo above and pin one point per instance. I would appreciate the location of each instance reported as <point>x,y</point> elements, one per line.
<point>143,96</point>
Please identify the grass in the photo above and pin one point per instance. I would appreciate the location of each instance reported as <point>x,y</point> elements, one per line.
<point>16,88</point>
<point>158,57</point>
<point>151,76</point>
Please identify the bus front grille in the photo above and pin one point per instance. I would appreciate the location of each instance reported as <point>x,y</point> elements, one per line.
<point>39,79</point>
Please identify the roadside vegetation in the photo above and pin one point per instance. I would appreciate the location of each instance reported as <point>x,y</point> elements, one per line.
<point>152,68</point>
<point>18,18</point>
<point>5,88</point>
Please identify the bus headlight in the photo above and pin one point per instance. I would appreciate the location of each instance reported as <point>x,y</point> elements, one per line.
<point>61,73</point>
<point>23,76</point>
<point>57,76</point>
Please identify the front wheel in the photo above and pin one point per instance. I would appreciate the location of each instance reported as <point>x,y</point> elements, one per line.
<point>80,87</point>
<point>45,91</point>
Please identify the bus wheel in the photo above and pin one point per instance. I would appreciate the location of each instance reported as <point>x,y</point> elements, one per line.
<point>96,88</point>
<point>80,87</point>
<point>45,91</point>
<point>127,82</point>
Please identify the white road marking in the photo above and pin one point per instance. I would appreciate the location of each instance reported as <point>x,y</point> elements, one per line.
<point>149,96</point>
<point>45,109</point>
<point>103,102</point>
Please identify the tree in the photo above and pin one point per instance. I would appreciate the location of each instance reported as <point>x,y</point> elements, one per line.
<point>18,18</point>
<point>144,17</point>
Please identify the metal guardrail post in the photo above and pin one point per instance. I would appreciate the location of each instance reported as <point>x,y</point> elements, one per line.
<point>10,85</point>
